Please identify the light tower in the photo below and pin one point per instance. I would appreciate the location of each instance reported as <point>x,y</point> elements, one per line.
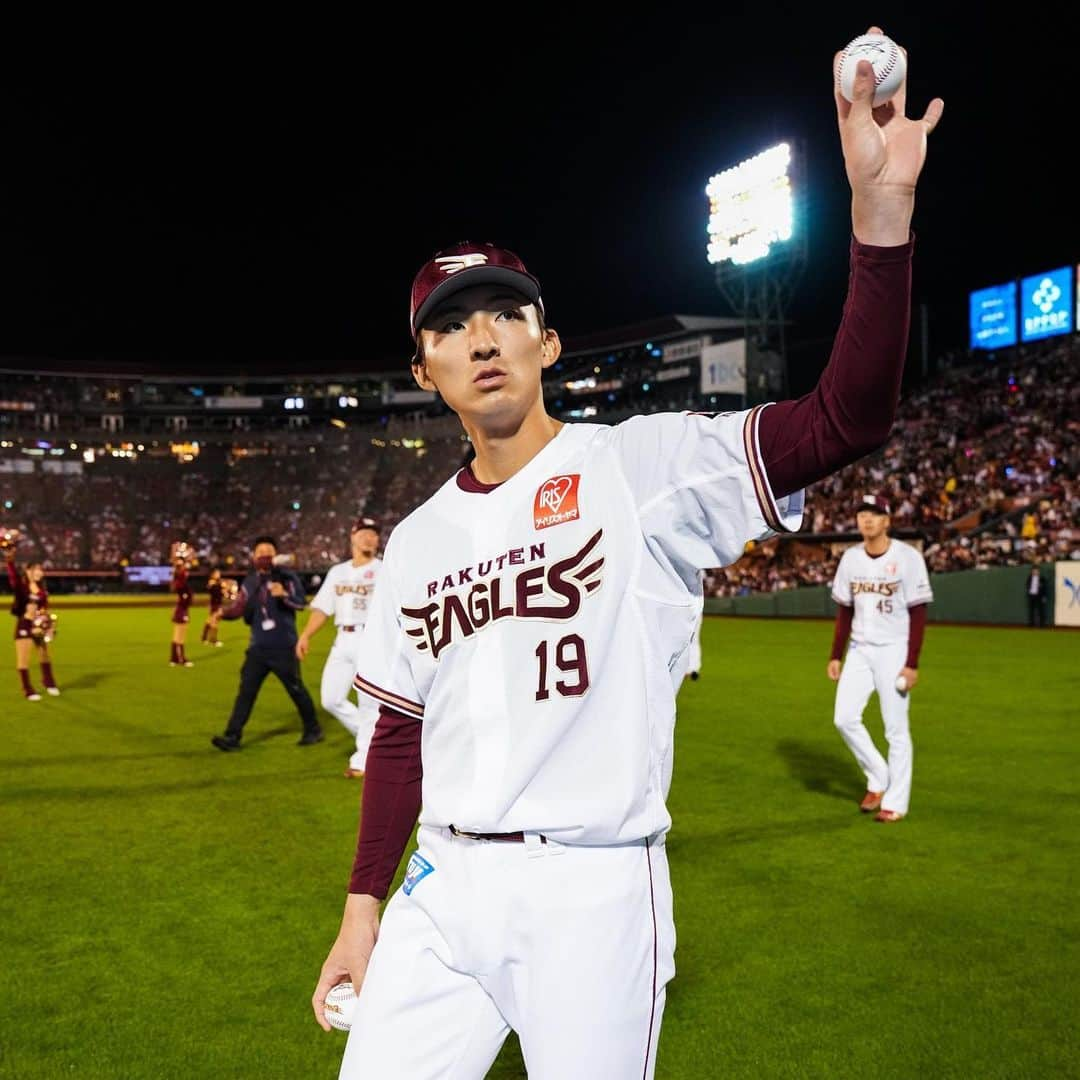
<point>758,245</point>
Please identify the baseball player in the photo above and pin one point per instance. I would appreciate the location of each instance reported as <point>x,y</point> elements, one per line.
<point>881,588</point>
<point>525,646</point>
<point>345,596</point>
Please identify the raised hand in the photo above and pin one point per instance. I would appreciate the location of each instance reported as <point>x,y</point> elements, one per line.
<point>884,153</point>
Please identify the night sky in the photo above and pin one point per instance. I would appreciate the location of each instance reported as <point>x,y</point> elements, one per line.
<point>260,201</point>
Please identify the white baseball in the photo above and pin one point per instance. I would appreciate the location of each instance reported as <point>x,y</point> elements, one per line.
<point>887,59</point>
<point>901,684</point>
<point>340,1006</point>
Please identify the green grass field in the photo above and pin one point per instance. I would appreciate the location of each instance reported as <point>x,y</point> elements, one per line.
<point>166,907</point>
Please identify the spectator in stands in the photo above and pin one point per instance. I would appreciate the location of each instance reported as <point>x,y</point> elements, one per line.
<point>972,451</point>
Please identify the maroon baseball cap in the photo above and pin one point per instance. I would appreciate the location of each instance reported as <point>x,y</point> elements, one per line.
<point>461,267</point>
<point>364,523</point>
<point>878,503</point>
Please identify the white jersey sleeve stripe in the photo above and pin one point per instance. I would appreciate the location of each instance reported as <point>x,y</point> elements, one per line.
<point>404,705</point>
<point>790,518</point>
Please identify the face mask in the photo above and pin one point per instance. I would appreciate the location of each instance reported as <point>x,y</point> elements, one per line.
<point>264,563</point>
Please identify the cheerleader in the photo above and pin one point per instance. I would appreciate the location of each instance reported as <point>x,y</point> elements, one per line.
<point>180,615</point>
<point>32,625</point>
<point>214,590</point>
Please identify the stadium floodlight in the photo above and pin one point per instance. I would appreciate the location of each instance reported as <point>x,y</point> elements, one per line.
<point>757,246</point>
<point>751,207</point>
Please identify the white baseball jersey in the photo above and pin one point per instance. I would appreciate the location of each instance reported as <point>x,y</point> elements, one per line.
<point>881,588</point>
<point>347,591</point>
<point>539,628</point>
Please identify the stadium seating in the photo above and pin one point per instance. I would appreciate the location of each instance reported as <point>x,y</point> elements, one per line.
<point>981,467</point>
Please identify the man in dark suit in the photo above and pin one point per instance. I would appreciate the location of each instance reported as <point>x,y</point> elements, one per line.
<point>268,601</point>
<point>1035,588</point>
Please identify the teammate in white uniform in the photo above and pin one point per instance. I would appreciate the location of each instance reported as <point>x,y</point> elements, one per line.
<point>526,644</point>
<point>882,587</point>
<point>345,596</point>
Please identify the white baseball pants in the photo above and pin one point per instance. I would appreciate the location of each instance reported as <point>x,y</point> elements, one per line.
<point>571,947</point>
<point>868,668</point>
<point>693,652</point>
<point>337,685</point>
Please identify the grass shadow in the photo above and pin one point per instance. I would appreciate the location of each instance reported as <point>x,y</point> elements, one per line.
<point>87,681</point>
<point>88,760</point>
<point>756,832</point>
<point>123,793</point>
<point>262,736</point>
<point>824,772</point>
<point>212,656</point>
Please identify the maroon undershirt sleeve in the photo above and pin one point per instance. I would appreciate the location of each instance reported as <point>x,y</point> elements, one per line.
<point>844,615</point>
<point>916,629</point>
<point>390,804</point>
<point>850,412</point>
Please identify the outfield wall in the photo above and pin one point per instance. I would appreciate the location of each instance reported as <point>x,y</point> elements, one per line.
<point>996,595</point>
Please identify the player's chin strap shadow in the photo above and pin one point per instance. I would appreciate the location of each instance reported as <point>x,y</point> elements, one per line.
<point>821,771</point>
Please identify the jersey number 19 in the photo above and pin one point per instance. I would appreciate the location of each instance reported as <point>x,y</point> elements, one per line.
<point>569,655</point>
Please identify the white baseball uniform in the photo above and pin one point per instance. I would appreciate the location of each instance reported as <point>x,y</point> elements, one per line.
<point>345,596</point>
<point>540,630</point>
<point>693,654</point>
<point>881,588</point>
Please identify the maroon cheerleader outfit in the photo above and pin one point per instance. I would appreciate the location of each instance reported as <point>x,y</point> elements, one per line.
<point>20,586</point>
<point>183,597</point>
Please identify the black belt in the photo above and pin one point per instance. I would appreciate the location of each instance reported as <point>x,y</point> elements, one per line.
<point>496,837</point>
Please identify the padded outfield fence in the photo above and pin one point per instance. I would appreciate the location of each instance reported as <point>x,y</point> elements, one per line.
<point>992,596</point>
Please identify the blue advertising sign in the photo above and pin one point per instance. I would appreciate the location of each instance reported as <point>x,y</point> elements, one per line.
<point>993,316</point>
<point>148,575</point>
<point>1046,304</point>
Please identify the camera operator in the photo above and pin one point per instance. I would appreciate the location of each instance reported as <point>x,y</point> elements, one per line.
<point>268,601</point>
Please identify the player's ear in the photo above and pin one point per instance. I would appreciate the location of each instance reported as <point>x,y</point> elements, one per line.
<point>551,348</point>
<point>420,374</point>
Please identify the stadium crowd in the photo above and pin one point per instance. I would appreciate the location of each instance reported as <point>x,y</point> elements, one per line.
<point>981,468</point>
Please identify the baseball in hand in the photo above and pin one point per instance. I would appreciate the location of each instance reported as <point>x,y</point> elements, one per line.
<point>340,1006</point>
<point>885,56</point>
<point>901,684</point>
